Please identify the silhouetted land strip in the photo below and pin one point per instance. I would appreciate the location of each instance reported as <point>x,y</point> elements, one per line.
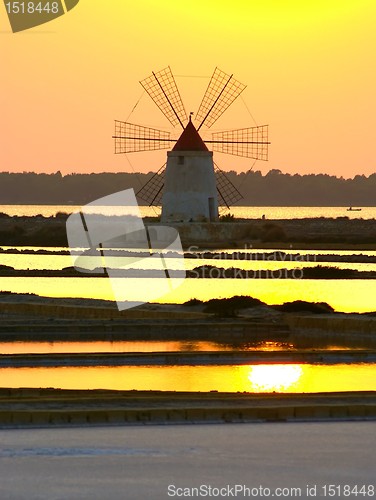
<point>317,272</point>
<point>273,256</point>
<point>210,272</point>
<point>301,233</point>
<point>280,256</point>
<point>272,189</point>
<point>231,320</point>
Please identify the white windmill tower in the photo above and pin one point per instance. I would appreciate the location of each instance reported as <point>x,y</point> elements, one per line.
<point>190,191</point>
<point>190,186</point>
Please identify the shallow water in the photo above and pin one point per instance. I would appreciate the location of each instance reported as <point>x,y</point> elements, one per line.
<point>58,262</point>
<point>281,378</point>
<point>134,346</point>
<point>343,295</point>
<point>129,346</point>
<point>239,211</point>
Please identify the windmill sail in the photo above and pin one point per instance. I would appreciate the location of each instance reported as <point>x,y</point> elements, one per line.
<point>162,88</point>
<point>228,194</point>
<point>131,138</point>
<point>248,142</point>
<point>152,190</point>
<point>222,91</point>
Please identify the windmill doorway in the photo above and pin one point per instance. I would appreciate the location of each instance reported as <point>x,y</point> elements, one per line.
<point>212,211</point>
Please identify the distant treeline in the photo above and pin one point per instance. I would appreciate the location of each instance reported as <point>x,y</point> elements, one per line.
<point>272,189</point>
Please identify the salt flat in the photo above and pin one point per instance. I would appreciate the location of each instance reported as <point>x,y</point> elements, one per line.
<point>141,462</point>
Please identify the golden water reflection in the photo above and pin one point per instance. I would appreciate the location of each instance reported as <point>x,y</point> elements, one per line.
<point>246,212</point>
<point>288,378</point>
<point>343,295</point>
<point>134,346</point>
<point>58,347</point>
<point>23,261</point>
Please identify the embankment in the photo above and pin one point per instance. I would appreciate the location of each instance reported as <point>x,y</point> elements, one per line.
<point>318,233</point>
<point>55,407</point>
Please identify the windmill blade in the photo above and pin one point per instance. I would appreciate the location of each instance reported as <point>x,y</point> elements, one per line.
<point>222,91</point>
<point>162,88</point>
<point>131,138</point>
<point>228,194</point>
<point>248,142</point>
<point>152,190</point>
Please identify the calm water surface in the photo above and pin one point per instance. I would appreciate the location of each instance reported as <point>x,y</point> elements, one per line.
<point>240,211</point>
<point>342,295</point>
<point>58,262</point>
<point>133,346</point>
<point>128,346</point>
<point>286,378</point>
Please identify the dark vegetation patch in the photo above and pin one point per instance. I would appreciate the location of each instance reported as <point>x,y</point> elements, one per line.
<point>280,256</point>
<point>327,272</point>
<point>193,303</point>
<point>227,218</point>
<point>303,306</point>
<point>61,215</point>
<point>3,267</point>
<point>228,307</point>
<point>317,272</point>
<point>28,232</point>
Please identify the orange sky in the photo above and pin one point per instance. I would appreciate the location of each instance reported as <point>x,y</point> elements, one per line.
<point>309,66</point>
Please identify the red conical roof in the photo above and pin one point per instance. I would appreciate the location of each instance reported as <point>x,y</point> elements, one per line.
<point>190,140</point>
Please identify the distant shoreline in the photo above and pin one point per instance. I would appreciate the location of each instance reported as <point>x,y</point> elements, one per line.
<point>250,205</point>
<point>275,188</point>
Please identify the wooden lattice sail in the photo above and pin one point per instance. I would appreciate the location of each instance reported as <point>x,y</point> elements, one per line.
<point>223,89</point>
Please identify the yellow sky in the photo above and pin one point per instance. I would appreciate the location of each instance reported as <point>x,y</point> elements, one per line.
<point>308,64</point>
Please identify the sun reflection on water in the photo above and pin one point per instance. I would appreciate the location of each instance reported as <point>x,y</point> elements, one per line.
<point>279,378</point>
<point>274,378</point>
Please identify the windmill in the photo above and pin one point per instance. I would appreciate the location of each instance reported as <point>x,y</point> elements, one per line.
<point>190,186</point>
